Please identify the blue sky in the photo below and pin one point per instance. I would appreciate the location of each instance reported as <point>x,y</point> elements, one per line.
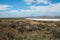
<point>25,8</point>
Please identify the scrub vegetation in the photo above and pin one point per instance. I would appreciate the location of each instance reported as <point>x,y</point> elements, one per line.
<point>22,29</point>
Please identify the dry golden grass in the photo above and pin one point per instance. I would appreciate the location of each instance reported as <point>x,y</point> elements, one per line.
<point>22,29</point>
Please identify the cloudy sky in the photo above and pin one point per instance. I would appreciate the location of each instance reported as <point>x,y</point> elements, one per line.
<point>25,8</point>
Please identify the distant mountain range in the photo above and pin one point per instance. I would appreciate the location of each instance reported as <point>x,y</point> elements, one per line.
<point>48,17</point>
<point>42,17</point>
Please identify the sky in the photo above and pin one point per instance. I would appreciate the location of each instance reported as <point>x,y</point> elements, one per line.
<point>27,8</point>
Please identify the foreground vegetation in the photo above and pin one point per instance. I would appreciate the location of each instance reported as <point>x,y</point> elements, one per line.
<point>22,29</point>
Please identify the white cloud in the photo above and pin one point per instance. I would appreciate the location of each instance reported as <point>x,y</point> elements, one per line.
<point>4,7</point>
<point>29,1</point>
<point>37,1</point>
<point>50,8</point>
<point>42,1</point>
<point>53,9</point>
<point>38,10</point>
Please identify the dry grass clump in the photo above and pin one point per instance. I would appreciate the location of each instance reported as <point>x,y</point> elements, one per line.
<point>22,29</point>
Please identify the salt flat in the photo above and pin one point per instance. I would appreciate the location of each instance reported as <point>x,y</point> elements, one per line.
<point>43,19</point>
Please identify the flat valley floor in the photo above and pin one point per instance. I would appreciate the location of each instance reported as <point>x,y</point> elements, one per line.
<point>23,29</point>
